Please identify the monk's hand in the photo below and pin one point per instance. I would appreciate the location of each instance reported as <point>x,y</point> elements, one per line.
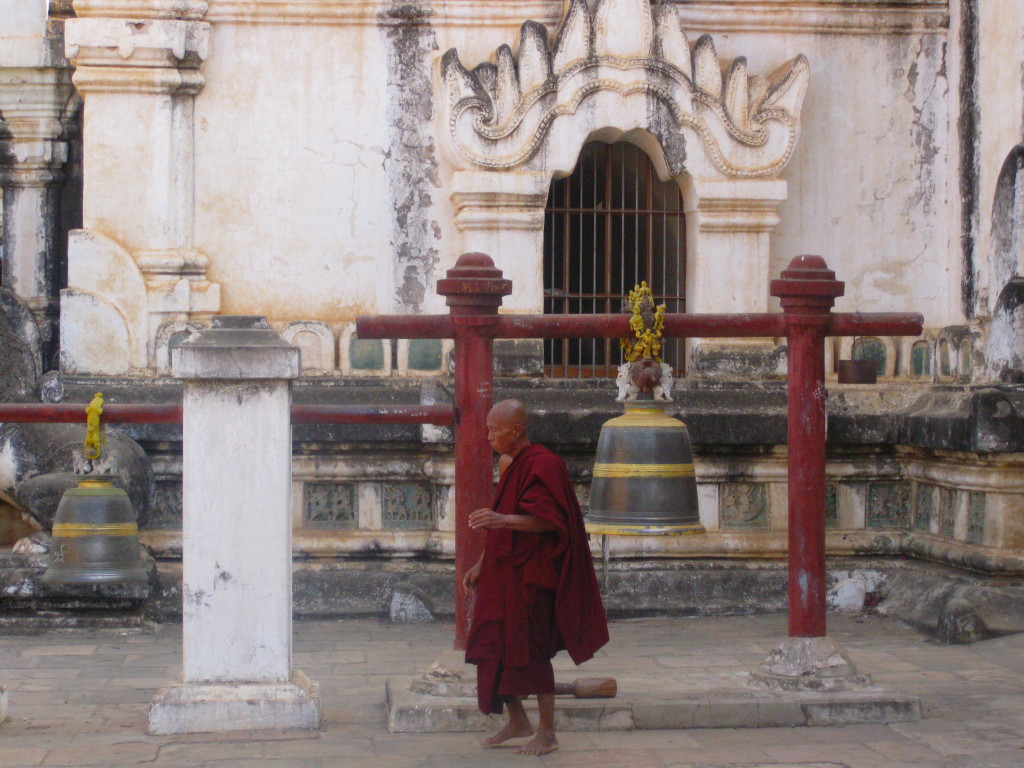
<point>486,518</point>
<point>471,577</point>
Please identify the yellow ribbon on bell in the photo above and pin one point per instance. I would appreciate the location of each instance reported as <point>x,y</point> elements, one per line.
<point>95,435</point>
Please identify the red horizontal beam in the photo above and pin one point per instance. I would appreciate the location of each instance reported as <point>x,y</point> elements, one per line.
<point>51,413</point>
<point>405,327</point>
<point>754,325</point>
<point>876,324</point>
<point>617,326</point>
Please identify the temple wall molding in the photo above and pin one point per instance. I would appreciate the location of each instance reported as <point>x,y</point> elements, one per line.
<point>624,70</point>
<point>848,17</point>
<point>534,109</point>
<point>38,106</point>
<point>439,13</point>
<point>138,59</point>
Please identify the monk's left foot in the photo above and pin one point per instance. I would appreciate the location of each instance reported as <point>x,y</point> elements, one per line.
<point>540,744</point>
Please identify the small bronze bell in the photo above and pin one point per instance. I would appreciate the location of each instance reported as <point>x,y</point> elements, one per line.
<point>95,537</point>
<point>644,482</point>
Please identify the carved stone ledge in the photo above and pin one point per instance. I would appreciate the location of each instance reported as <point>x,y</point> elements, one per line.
<point>738,206</point>
<point>443,13</point>
<point>156,43</point>
<point>485,201</point>
<point>852,17</point>
<point>138,80</point>
<point>626,57</point>
<point>142,9</point>
<point>36,104</point>
<point>37,166</point>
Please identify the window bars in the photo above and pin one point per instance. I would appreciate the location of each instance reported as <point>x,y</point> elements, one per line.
<point>609,226</point>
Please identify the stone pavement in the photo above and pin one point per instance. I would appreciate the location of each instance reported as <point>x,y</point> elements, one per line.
<point>81,700</point>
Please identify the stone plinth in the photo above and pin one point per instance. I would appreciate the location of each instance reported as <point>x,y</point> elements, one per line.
<point>730,705</point>
<point>197,707</point>
<point>237,584</point>
<point>809,664</point>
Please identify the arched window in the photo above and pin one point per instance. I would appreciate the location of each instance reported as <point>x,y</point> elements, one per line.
<point>609,226</point>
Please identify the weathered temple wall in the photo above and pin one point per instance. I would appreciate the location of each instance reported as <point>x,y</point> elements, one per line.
<point>297,160</point>
<point>323,173</point>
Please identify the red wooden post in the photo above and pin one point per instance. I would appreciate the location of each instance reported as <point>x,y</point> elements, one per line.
<point>473,289</point>
<point>807,289</point>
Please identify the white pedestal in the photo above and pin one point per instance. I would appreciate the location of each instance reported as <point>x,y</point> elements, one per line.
<point>237,534</point>
<point>199,707</point>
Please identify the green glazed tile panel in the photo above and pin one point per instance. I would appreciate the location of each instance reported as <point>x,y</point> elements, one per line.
<point>425,354</point>
<point>743,506</point>
<point>407,505</point>
<point>947,511</point>
<point>924,506</point>
<point>831,505</point>
<point>165,511</point>
<point>976,517</point>
<point>330,505</point>
<point>366,354</point>
<point>888,505</point>
<point>921,359</point>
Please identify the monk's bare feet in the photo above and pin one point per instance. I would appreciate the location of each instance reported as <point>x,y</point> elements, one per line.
<point>512,730</point>
<point>540,744</point>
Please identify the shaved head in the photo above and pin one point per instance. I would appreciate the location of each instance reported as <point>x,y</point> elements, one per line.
<point>509,412</point>
<point>506,427</point>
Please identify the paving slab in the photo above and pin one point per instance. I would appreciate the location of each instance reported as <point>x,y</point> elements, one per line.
<point>83,700</point>
<point>693,706</point>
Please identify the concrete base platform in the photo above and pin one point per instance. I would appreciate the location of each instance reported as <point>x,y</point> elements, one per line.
<point>217,707</point>
<point>736,706</point>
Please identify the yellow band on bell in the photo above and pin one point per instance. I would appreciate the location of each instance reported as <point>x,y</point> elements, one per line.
<point>643,470</point>
<point>74,530</point>
<point>645,418</point>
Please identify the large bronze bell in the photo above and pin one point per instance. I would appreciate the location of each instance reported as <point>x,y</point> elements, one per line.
<point>95,536</point>
<point>643,482</point>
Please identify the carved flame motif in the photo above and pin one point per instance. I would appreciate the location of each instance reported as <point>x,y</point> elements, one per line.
<point>500,114</point>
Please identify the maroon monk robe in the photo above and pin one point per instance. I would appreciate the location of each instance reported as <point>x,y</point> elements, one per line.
<point>537,593</point>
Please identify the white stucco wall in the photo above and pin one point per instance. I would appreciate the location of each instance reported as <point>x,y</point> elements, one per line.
<point>292,192</point>
<point>291,196</point>
<point>323,184</point>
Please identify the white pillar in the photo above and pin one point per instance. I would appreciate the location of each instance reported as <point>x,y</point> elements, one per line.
<point>237,586</point>
<point>37,108</point>
<point>502,215</point>
<point>728,226</point>
<point>134,273</point>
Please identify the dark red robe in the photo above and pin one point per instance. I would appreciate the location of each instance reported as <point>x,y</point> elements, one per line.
<point>537,592</point>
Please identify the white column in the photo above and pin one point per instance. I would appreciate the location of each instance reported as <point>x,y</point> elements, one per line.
<point>502,214</point>
<point>237,586</point>
<point>728,225</point>
<point>37,106</point>
<point>138,70</point>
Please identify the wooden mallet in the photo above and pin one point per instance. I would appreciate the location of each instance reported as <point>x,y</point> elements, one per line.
<point>588,688</point>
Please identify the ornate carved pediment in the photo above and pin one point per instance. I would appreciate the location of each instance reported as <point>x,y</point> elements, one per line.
<point>623,65</point>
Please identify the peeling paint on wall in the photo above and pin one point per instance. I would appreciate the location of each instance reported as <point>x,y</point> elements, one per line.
<point>967,126</point>
<point>410,162</point>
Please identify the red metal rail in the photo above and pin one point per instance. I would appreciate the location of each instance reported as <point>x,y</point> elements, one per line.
<point>50,413</point>
<point>755,325</point>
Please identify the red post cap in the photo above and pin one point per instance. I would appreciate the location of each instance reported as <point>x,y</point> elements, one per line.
<point>807,286</point>
<point>474,286</point>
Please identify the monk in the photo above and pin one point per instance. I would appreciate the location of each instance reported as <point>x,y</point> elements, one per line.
<point>536,592</point>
